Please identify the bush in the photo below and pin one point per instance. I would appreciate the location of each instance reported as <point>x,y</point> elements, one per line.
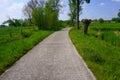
<point>116,19</point>
<point>101,20</point>
<point>26,34</point>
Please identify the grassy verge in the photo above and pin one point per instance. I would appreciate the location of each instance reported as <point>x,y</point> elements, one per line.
<point>101,57</point>
<point>13,50</point>
<point>105,26</point>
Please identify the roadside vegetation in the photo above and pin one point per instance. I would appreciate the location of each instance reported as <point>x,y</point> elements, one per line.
<point>100,48</point>
<point>21,35</point>
<point>15,42</point>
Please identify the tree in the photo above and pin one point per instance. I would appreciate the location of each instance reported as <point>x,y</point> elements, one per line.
<point>119,13</point>
<point>116,19</point>
<point>30,6</point>
<point>38,17</point>
<point>46,17</point>
<point>78,8</point>
<point>52,8</point>
<point>10,22</point>
<point>73,12</point>
<point>101,20</point>
<point>15,22</point>
<point>86,23</point>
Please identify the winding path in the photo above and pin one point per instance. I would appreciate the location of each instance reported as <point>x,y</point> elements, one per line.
<point>55,58</point>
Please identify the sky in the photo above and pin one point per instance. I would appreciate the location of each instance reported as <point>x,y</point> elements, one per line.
<point>106,9</point>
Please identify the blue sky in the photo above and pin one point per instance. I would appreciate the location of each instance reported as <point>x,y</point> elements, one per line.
<point>106,9</point>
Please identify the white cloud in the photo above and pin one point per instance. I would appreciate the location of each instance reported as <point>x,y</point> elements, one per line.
<point>12,11</point>
<point>102,4</point>
<point>15,10</point>
<point>3,3</point>
<point>63,15</point>
<point>61,3</point>
<point>116,0</point>
<point>3,18</point>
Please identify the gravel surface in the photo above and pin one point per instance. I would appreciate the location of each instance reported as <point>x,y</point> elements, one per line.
<point>55,58</point>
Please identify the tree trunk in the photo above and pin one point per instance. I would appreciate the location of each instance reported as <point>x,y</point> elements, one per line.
<point>85,28</point>
<point>77,24</point>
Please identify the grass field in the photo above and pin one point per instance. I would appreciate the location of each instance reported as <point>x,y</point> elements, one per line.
<point>105,26</point>
<point>15,42</point>
<point>100,49</point>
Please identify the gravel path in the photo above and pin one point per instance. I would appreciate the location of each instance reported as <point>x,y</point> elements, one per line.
<point>55,58</point>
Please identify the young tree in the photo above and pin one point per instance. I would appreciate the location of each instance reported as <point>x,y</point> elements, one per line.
<point>52,8</point>
<point>78,8</point>
<point>73,12</point>
<point>38,17</point>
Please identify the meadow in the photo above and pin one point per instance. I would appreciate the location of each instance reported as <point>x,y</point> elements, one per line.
<point>100,49</point>
<point>16,41</point>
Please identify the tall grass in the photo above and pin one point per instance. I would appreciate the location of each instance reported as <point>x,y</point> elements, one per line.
<point>105,26</point>
<point>111,37</point>
<point>11,33</point>
<point>13,50</point>
<point>101,57</point>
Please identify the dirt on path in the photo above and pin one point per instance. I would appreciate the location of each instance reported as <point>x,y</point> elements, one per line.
<point>55,58</point>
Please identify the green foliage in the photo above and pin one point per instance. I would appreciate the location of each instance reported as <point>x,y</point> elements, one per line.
<point>88,1</point>
<point>101,20</point>
<point>15,22</point>
<point>108,32</point>
<point>46,17</point>
<point>111,37</point>
<point>38,18</point>
<point>75,10</point>
<point>116,19</point>
<point>12,50</point>
<point>14,33</point>
<point>101,57</point>
<point>119,14</point>
<point>105,26</point>
<point>26,33</point>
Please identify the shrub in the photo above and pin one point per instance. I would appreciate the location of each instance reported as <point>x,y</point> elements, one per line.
<point>101,20</point>
<point>26,34</point>
<point>38,18</point>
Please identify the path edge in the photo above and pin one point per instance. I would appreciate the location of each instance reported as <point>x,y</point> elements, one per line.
<point>80,57</point>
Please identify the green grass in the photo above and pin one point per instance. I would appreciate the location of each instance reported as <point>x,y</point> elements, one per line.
<point>109,32</point>
<point>11,33</point>
<point>12,49</point>
<point>111,37</point>
<point>105,26</point>
<point>102,57</point>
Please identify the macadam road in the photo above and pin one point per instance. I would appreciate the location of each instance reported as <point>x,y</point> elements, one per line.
<point>55,58</point>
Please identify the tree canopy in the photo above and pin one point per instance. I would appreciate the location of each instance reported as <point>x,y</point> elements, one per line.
<point>46,17</point>
<point>119,13</point>
<point>75,9</point>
